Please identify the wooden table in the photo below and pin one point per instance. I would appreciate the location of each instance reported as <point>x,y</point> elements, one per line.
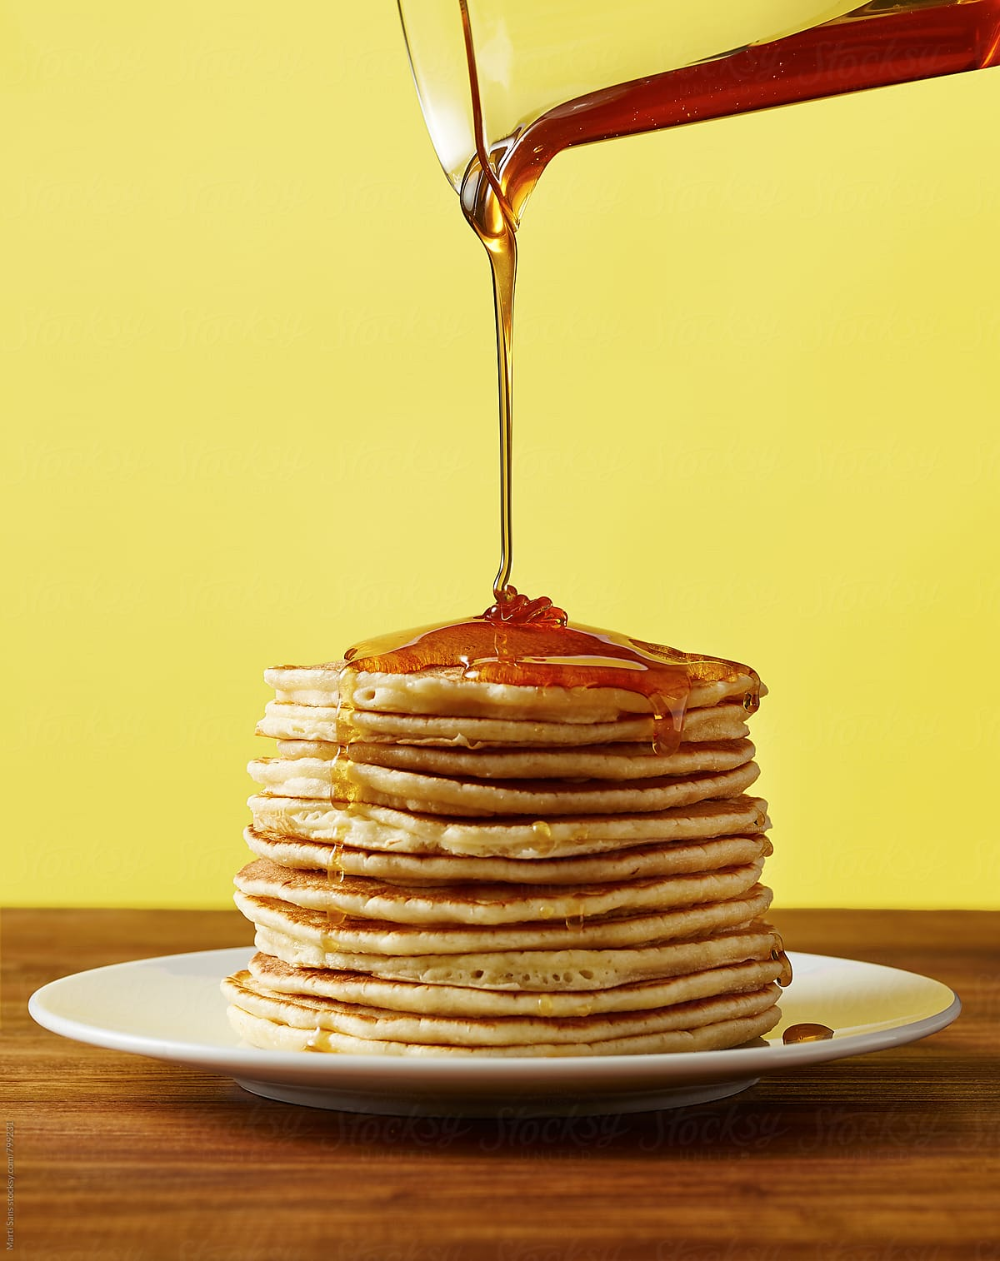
<point>889,1157</point>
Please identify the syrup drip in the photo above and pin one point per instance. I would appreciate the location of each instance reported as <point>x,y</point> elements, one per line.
<point>806,1033</point>
<point>544,843</point>
<point>345,708</point>
<point>334,867</point>
<point>577,919</point>
<point>784,977</point>
<point>546,1005</point>
<point>334,917</point>
<point>343,789</point>
<point>335,863</point>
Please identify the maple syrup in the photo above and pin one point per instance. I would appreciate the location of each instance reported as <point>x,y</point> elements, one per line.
<point>795,1034</point>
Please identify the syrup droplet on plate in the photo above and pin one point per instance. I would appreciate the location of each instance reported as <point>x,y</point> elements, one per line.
<point>806,1033</point>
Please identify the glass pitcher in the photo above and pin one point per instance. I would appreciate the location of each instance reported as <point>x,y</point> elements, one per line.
<point>553,73</point>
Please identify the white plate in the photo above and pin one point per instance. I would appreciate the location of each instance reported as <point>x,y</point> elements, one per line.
<point>171,1009</point>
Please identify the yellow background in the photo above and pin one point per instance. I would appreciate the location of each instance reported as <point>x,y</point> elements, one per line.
<point>247,360</point>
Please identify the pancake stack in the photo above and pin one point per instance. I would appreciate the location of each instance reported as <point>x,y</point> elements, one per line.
<point>452,867</point>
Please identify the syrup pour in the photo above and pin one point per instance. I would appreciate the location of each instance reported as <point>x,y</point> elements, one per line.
<point>806,1033</point>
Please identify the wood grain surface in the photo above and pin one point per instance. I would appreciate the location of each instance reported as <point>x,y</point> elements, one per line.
<point>887,1157</point>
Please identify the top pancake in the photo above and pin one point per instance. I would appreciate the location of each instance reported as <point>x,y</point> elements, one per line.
<point>446,692</point>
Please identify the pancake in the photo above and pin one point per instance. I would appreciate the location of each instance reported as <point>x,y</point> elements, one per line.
<point>286,721</point>
<point>353,1020</point>
<point>415,870</point>
<point>382,828</point>
<point>381,937</point>
<point>446,692</point>
<point>487,905</point>
<point>278,977</point>
<point>600,762</point>
<point>273,1035</point>
<point>313,778</point>
<point>534,971</point>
